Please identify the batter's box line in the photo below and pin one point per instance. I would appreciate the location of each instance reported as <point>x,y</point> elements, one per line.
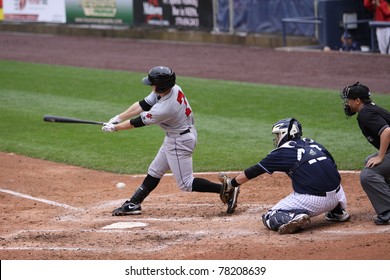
<point>30,248</point>
<point>50,202</point>
<point>358,232</point>
<point>24,231</point>
<point>233,173</point>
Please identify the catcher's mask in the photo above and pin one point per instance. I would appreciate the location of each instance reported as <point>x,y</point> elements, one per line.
<point>354,91</point>
<point>162,77</point>
<point>286,130</point>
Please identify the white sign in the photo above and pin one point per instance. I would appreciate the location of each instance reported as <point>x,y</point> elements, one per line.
<point>35,10</point>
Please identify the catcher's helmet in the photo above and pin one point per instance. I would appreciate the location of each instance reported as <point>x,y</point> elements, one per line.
<point>354,91</point>
<point>286,130</point>
<point>162,77</point>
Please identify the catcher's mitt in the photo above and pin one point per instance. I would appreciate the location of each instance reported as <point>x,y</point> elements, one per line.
<point>227,189</point>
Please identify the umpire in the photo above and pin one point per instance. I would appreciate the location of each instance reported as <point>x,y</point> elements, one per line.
<point>374,123</point>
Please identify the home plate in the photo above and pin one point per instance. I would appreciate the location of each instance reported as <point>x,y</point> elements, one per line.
<point>123,225</point>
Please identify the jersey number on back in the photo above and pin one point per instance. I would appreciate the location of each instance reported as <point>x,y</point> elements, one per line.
<point>181,98</point>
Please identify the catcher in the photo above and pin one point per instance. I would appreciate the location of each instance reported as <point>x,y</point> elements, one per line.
<point>315,180</point>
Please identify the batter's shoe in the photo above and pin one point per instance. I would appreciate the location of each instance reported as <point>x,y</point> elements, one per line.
<point>337,217</point>
<point>232,202</point>
<point>127,208</point>
<point>296,224</point>
<point>383,219</point>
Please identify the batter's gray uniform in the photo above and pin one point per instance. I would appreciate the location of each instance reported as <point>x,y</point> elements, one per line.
<point>167,107</point>
<point>174,115</point>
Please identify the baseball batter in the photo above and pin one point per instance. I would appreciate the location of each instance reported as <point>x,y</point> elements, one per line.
<point>168,107</point>
<point>315,180</point>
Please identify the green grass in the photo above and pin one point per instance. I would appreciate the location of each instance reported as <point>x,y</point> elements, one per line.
<point>233,119</point>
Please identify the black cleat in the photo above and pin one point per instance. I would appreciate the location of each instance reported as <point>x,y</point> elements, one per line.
<point>383,219</point>
<point>335,217</point>
<point>128,208</point>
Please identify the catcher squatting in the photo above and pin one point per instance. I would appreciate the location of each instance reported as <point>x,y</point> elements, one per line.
<point>312,169</point>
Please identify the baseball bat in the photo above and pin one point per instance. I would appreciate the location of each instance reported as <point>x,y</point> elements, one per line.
<point>59,119</point>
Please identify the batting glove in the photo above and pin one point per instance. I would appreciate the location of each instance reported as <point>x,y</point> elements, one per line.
<point>115,120</point>
<point>109,127</point>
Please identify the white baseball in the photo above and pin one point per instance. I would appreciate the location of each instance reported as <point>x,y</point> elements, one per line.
<point>120,185</point>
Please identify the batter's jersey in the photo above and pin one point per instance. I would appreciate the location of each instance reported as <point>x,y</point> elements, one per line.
<point>309,165</point>
<point>372,120</point>
<point>172,112</point>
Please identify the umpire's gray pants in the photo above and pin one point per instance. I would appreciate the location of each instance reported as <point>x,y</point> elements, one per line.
<point>376,183</point>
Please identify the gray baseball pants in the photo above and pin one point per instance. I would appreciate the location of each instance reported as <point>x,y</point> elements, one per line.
<point>376,183</point>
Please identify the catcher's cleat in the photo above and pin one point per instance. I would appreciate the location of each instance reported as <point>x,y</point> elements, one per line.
<point>127,208</point>
<point>296,224</point>
<point>227,189</point>
<point>232,202</point>
<point>335,217</point>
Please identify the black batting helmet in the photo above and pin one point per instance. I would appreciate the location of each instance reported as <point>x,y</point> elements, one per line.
<point>162,77</point>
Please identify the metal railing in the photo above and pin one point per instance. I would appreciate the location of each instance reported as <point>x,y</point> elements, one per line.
<point>373,26</point>
<point>305,20</point>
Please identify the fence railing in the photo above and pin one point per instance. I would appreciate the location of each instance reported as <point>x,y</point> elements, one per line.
<point>313,20</point>
<point>373,26</point>
<point>305,20</point>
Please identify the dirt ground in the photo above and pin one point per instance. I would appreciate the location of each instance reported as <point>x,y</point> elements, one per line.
<point>55,211</point>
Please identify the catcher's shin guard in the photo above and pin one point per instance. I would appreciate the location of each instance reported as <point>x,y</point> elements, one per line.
<point>286,221</point>
<point>296,224</point>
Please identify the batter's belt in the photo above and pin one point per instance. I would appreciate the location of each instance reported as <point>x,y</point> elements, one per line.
<point>177,134</point>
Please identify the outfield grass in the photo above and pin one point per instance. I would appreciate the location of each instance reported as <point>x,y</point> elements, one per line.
<point>233,119</point>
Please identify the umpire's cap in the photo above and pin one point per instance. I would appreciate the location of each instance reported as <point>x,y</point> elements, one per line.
<point>358,90</point>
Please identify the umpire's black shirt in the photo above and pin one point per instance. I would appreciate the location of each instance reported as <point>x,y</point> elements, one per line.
<point>372,120</point>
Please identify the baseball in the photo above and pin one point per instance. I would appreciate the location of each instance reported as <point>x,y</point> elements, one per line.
<point>120,185</point>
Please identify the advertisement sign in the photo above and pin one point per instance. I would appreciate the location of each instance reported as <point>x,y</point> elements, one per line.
<point>34,10</point>
<point>182,14</point>
<point>1,10</point>
<point>107,12</point>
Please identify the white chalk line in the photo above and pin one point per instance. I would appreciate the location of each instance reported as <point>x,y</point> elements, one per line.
<point>50,202</point>
<point>185,235</point>
<point>381,229</point>
<point>30,248</point>
<point>178,236</point>
<point>173,237</point>
<point>237,172</point>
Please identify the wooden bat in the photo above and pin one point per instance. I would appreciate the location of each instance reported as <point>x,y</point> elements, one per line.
<point>49,118</point>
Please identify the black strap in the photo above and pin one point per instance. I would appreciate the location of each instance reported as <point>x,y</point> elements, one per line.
<point>185,131</point>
